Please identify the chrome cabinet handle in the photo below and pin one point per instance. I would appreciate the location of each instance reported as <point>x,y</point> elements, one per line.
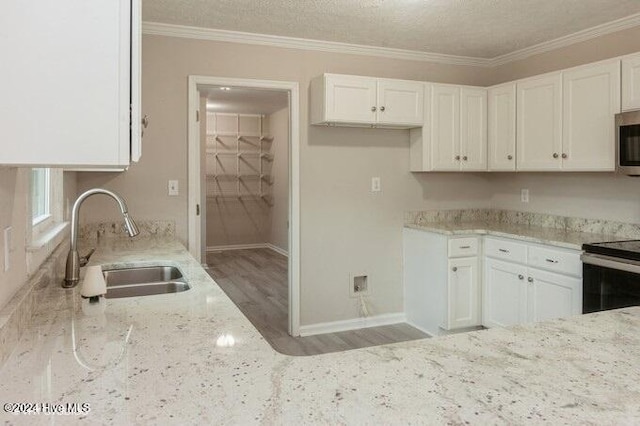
<point>382,108</point>
<point>551,260</point>
<point>555,155</point>
<point>465,247</point>
<point>454,269</point>
<point>564,155</point>
<point>509,157</point>
<point>520,277</point>
<point>530,279</point>
<point>503,250</point>
<point>464,158</point>
<point>457,158</point>
<point>373,109</point>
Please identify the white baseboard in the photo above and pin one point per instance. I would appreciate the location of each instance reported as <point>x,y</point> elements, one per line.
<point>352,324</point>
<point>213,249</point>
<point>278,249</point>
<point>424,330</point>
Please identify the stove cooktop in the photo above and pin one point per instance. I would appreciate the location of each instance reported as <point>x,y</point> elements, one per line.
<point>629,249</point>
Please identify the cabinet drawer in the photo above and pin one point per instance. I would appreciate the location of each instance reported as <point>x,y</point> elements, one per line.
<point>506,250</point>
<point>463,247</point>
<point>560,261</point>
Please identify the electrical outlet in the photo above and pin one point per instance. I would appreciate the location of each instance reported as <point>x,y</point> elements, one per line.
<point>375,184</point>
<point>173,188</point>
<point>524,195</point>
<point>7,248</point>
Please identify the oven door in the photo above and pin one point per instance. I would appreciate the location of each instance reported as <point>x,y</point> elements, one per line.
<point>628,142</point>
<point>609,283</point>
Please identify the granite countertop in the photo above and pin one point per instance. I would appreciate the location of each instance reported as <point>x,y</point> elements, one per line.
<point>169,359</point>
<point>536,234</point>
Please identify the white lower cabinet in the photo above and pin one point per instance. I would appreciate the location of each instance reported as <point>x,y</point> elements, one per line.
<point>504,294</point>
<point>463,294</point>
<point>454,283</point>
<point>552,295</point>
<point>516,292</point>
<point>441,281</point>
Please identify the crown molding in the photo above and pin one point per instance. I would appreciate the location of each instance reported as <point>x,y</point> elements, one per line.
<point>577,37</point>
<point>197,33</point>
<point>170,30</point>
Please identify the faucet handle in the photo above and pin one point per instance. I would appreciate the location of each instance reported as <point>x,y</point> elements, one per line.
<point>85,259</point>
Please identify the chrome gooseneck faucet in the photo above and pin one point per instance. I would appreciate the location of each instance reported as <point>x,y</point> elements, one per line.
<point>72,274</point>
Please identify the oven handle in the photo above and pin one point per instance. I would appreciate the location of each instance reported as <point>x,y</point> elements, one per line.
<point>611,262</point>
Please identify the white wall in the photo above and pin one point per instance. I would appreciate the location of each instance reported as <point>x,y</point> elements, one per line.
<point>14,212</point>
<point>14,193</point>
<point>279,130</point>
<point>590,195</point>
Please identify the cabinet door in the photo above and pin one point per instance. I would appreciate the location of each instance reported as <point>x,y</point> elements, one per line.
<point>445,127</point>
<point>552,295</point>
<point>473,129</point>
<point>631,83</point>
<point>350,99</point>
<point>591,97</point>
<point>504,294</point>
<point>463,294</point>
<point>420,138</point>
<point>502,128</point>
<point>65,83</point>
<point>539,123</point>
<point>400,102</point>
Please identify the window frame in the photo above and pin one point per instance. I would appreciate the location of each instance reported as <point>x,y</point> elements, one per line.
<point>47,231</point>
<point>42,222</point>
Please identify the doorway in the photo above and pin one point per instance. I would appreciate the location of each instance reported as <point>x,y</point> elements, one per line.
<point>243,191</point>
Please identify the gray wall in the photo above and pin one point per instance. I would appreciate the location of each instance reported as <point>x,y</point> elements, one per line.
<point>345,228</point>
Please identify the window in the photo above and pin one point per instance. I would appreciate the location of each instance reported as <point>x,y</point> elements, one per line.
<point>40,195</point>
<point>45,211</point>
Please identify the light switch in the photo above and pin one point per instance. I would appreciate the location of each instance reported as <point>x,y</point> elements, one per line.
<point>524,195</point>
<point>173,188</point>
<point>375,184</point>
<point>7,248</point>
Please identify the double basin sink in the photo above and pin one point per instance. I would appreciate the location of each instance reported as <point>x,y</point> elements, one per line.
<point>144,281</point>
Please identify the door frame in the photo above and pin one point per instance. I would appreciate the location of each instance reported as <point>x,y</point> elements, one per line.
<point>194,180</point>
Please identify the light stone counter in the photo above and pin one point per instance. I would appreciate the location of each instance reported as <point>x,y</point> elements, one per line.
<point>534,234</point>
<point>155,360</point>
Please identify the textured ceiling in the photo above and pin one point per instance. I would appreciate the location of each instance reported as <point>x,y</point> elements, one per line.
<point>478,28</point>
<point>243,100</point>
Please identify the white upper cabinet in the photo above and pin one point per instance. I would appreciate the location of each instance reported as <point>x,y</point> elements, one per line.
<point>631,82</point>
<point>473,129</point>
<point>591,97</point>
<point>539,123</point>
<point>445,127</point>
<point>400,102</point>
<point>70,83</point>
<point>365,101</point>
<point>454,135</point>
<point>350,99</point>
<point>502,127</point>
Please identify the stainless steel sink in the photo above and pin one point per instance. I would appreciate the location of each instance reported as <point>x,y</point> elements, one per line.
<point>144,281</point>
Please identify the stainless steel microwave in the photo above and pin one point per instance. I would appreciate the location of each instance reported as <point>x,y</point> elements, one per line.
<point>628,142</point>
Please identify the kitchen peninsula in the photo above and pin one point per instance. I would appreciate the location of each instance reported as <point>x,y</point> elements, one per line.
<point>193,358</point>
